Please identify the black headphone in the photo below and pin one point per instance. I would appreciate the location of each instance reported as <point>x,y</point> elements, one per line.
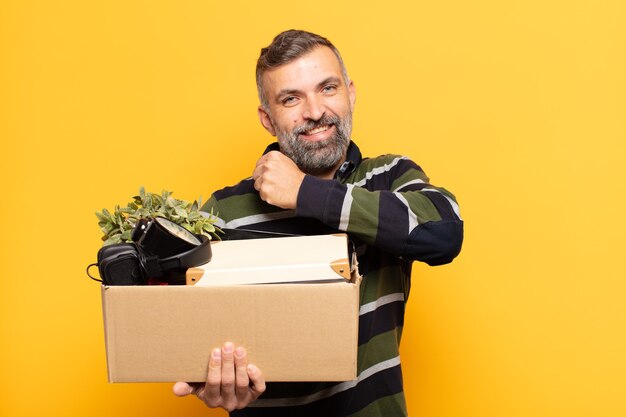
<point>161,250</point>
<point>156,267</point>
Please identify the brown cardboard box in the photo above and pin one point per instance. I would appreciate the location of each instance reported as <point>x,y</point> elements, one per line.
<point>292,332</point>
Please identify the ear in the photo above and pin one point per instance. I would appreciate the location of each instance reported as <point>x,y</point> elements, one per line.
<point>352,94</point>
<point>266,121</point>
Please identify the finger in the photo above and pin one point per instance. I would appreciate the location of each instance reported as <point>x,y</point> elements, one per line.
<point>242,383</point>
<point>261,161</point>
<point>256,173</point>
<point>214,379</point>
<point>258,181</point>
<point>182,389</point>
<point>228,374</point>
<point>256,378</point>
<point>278,157</point>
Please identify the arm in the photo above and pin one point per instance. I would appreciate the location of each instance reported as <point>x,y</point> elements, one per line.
<point>391,205</point>
<point>395,209</point>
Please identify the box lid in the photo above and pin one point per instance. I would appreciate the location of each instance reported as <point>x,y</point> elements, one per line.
<point>318,258</point>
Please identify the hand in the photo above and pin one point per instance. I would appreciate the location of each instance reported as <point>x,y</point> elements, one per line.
<point>277,179</point>
<point>231,382</point>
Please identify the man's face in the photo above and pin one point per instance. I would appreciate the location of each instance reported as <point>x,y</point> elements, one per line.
<point>310,110</point>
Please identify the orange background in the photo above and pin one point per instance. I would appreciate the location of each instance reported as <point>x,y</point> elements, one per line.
<point>517,107</point>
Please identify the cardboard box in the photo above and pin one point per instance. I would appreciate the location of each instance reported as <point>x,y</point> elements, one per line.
<point>292,332</point>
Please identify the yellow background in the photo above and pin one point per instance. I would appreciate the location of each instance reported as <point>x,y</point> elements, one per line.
<point>518,107</point>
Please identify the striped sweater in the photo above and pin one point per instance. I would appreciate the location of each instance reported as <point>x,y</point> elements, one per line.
<point>394,216</point>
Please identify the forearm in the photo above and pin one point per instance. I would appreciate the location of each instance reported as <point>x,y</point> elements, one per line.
<point>417,221</point>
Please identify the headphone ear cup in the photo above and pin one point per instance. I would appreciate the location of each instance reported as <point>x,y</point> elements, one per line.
<point>119,265</point>
<point>110,251</point>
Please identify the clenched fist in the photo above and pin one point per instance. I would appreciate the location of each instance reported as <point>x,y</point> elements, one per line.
<point>277,179</point>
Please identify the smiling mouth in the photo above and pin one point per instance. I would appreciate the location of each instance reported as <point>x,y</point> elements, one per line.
<point>319,129</point>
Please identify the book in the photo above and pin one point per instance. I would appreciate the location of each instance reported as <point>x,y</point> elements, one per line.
<point>320,258</point>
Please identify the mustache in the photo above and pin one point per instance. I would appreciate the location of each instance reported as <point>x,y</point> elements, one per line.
<point>323,121</point>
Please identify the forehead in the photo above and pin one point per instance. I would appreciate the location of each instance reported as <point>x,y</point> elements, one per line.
<point>303,73</point>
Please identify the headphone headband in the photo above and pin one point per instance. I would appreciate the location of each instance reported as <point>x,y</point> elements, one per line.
<point>199,255</point>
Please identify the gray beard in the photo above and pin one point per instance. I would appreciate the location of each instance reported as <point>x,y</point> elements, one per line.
<point>320,157</point>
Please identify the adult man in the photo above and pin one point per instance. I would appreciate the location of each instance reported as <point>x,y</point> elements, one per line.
<point>315,181</point>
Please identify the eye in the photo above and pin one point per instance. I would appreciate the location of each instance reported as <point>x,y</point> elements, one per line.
<point>329,89</point>
<point>289,100</point>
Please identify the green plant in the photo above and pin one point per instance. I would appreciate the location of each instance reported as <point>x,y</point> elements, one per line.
<point>118,225</point>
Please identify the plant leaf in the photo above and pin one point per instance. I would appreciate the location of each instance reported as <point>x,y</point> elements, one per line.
<point>126,236</point>
<point>113,239</point>
<point>181,212</point>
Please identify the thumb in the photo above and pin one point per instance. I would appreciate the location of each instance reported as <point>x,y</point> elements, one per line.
<point>182,389</point>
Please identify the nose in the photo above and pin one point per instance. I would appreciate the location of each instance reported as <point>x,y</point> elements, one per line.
<point>314,109</point>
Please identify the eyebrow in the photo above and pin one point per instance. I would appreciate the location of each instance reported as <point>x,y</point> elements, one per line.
<point>289,91</point>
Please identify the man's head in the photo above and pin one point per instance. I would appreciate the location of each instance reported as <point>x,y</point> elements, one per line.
<point>306,99</point>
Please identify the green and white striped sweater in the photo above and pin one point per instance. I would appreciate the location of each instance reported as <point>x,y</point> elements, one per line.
<point>394,216</point>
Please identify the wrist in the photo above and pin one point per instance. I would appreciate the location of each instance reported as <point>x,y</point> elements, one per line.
<point>313,196</point>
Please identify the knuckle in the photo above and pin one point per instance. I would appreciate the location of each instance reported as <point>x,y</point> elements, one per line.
<point>242,404</point>
<point>229,406</point>
<point>258,388</point>
<point>213,402</point>
<point>213,381</point>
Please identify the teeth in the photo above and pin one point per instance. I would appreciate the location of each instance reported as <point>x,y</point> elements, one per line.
<point>317,130</point>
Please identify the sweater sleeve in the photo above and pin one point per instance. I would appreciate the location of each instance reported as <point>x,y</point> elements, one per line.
<point>393,207</point>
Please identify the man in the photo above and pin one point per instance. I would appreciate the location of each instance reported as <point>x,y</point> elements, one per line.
<point>315,181</point>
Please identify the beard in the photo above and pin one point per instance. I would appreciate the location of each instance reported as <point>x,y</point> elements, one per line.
<point>317,157</point>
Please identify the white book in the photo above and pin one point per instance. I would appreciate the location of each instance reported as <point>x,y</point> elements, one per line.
<point>322,258</point>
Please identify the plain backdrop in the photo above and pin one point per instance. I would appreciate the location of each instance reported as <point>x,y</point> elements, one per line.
<point>517,107</point>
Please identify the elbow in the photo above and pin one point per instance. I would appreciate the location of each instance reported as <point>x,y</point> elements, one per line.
<point>435,243</point>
